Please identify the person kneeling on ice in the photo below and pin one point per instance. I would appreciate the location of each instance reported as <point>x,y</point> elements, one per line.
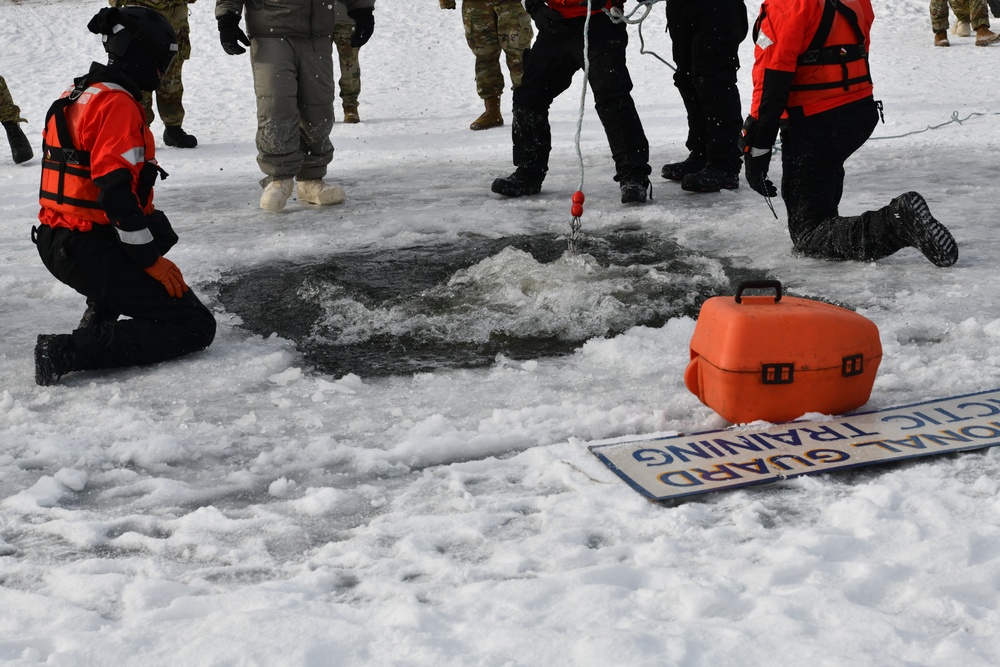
<point>99,231</point>
<point>811,78</point>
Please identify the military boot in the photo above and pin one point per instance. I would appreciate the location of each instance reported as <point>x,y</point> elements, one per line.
<point>961,29</point>
<point>985,36</point>
<point>489,118</point>
<point>351,115</point>
<point>676,171</point>
<point>276,194</point>
<point>635,188</point>
<point>710,179</point>
<point>55,355</point>
<point>20,147</point>
<point>174,136</point>
<point>941,38</point>
<point>911,221</point>
<point>316,191</point>
<point>524,181</point>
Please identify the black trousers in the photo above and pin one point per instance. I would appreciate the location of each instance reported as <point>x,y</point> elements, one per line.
<point>813,152</point>
<point>706,37</point>
<point>161,327</point>
<point>549,66</point>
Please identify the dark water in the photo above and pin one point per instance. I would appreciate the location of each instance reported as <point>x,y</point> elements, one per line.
<point>407,310</point>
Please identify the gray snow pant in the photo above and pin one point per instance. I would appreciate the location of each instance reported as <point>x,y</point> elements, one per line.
<point>293,80</point>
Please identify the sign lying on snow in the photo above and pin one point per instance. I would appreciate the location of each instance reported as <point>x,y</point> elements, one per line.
<point>667,467</point>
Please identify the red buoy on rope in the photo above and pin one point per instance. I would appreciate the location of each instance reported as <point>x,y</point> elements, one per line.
<point>577,208</point>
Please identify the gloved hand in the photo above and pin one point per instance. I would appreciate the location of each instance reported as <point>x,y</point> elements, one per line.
<point>546,19</point>
<point>447,4</point>
<point>756,160</point>
<point>168,275</point>
<point>756,172</point>
<point>231,35</point>
<point>364,26</point>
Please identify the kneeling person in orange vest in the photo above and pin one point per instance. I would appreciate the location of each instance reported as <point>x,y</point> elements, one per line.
<point>100,233</point>
<point>811,79</point>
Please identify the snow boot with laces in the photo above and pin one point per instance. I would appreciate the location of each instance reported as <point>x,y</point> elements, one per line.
<point>635,188</point>
<point>912,222</point>
<point>489,118</point>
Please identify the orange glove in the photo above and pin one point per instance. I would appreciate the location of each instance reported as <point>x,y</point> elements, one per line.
<point>167,273</point>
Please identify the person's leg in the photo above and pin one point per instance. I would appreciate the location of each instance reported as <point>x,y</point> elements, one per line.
<point>314,60</point>
<point>275,76</point>
<point>612,87</point>
<point>350,66</point>
<point>159,327</point>
<point>515,32</point>
<point>814,150</point>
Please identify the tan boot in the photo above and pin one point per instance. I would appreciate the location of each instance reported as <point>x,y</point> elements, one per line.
<point>489,118</point>
<point>985,37</point>
<point>316,191</point>
<point>276,194</point>
<point>351,115</point>
<point>961,29</point>
<point>941,38</point>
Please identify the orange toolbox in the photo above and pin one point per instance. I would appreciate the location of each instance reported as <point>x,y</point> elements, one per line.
<point>774,359</point>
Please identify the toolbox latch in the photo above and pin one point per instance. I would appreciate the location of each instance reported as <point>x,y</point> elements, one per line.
<point>853,365</point>
<point>777,373</point>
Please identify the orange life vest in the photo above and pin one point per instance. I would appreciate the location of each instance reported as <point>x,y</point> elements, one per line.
<point>92,130</point>
<point>824,42</point>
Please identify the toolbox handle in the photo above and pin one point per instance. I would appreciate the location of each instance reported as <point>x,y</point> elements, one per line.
<point>759,284</point>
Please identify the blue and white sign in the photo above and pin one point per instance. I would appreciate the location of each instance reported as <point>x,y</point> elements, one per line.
<point>675,466</point>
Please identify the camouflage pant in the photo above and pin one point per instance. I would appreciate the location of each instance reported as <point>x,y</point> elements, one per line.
<point>8,110</point>
<point>492,26</point>
<point>350,68</point>
<point>171,91</point>
<point>973,12</point>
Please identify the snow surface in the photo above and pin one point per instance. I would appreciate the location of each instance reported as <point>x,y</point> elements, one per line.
<point>235,507</point>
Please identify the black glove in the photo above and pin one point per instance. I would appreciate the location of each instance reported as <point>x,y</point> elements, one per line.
<point>231,35</point>
<point>756,165</point>
<point>756,171</point>
<point>546,19</point>
<point>364,26</point>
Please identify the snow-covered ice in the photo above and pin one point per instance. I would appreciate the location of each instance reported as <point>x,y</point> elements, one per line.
<point>237,507</point>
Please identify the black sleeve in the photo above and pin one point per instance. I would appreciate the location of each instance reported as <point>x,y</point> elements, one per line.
<point>123,210</point>
<point>773,100</point>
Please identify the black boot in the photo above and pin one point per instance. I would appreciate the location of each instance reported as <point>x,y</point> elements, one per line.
<point>97,317</point>
<point>675,171</point>
<point>174,136</point>
<point>912,222</point>
<point>635,188</point>
<point>523,181</point>
<point>55,355</point>
<point>20,147</point>
<point>710,179</point>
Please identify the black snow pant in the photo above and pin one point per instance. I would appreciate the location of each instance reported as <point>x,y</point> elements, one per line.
<point>706,37</point>
<point>549,66</point>
<point>813,152</point>
<point>161,327</point>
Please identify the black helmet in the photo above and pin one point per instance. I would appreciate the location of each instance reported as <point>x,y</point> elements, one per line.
<point>139,39</point>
